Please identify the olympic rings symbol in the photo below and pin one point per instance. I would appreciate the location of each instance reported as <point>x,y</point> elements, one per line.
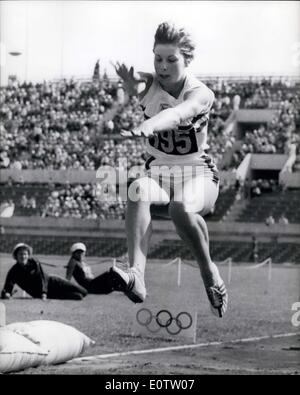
<point>164,319</point>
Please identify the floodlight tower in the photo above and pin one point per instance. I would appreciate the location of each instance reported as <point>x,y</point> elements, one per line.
<point>14,54</point>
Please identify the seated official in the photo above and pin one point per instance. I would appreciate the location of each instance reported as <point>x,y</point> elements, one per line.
<point>82,273</point>
<point>29,275</point>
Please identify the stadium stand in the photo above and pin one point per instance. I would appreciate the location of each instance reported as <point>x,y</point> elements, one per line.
<point>37,120</point>
<point>275,203</point>
<point>75,125</point>
<point>82,201</point>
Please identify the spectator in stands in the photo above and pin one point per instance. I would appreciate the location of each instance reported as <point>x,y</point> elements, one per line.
<point>270,220</point>
<point>32,203</point>
<point>283,220</point>
<point>255,189</point>
<point>236,102</point>
<point>120,93</point>
<point>82,273</point>
<point>24,201</point>
<point>239,187</point>
<point>7,209</point>
<point>29,275</point>
<point>69,116</point>
<point>38,117</point>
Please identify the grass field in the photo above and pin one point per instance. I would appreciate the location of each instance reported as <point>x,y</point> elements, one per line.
<point>258,308</point>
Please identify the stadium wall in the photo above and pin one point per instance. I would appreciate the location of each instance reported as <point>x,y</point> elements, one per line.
<point>255,115</point>
<point>290,180</point>
<point>234,231</point>
<point>39,176</point>
<point>268,161</point>
<point>248,119</point>
<point>243,170</point>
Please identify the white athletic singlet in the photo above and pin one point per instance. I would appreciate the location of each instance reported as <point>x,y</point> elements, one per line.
<point>185,145</point>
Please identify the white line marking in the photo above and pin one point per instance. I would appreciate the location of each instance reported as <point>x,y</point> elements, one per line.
<point>182,347</point>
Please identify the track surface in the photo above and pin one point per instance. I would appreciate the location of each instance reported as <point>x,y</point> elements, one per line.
<point>258,308</point>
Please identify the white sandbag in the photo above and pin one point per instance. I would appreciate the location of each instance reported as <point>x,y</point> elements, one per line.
<point>63,341</point>
<point>17,352</point>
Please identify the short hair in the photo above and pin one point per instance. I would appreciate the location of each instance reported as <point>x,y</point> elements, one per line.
<point>168,33</point>
<point>19,246</point>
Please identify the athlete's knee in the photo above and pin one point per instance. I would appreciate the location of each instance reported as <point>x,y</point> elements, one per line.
<point>187,221</point>
<point>140,190</point>
<point>179,209</point>
<point>202,225</point>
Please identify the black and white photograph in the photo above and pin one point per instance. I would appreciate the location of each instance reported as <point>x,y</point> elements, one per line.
<point>149,190</point>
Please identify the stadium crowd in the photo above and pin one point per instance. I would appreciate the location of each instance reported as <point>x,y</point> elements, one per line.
<point>259,186</point>
<point>87,201</point>
<point>279,136</point>
<point>71,124</point>
<point>254,92</point>
<point>61,125</point>
<point>52,125</point>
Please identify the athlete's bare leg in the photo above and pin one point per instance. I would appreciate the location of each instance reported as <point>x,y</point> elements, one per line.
<point>138,220</point>
<point>198,196</point>
<point>141,194</point>
<point>138,233</point>
<point>192,229</point>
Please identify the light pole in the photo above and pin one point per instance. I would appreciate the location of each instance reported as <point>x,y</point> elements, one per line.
<point>14,54</point>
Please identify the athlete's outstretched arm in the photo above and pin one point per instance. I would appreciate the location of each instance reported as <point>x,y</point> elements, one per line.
<point>196,102</point>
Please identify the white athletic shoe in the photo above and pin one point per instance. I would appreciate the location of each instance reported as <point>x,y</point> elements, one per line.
<point>218,297</point>
<point>129,281</point>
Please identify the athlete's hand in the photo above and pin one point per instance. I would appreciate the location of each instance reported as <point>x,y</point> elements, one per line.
<point>131,80</point>
<point>143,130</point>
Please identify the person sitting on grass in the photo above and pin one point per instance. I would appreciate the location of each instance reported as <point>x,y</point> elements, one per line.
<point>29,275</point>
<point>82,273</point>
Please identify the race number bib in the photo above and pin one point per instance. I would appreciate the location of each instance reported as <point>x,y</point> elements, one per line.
<point>175,142</point>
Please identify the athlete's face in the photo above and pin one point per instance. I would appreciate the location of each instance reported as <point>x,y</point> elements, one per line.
<point>169,64</point>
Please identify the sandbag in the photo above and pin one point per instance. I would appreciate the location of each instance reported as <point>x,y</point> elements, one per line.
<point>17,352</point>
<point>63,341</point>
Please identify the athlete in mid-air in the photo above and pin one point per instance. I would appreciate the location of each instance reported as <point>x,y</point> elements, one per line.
<point>176,107</point>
